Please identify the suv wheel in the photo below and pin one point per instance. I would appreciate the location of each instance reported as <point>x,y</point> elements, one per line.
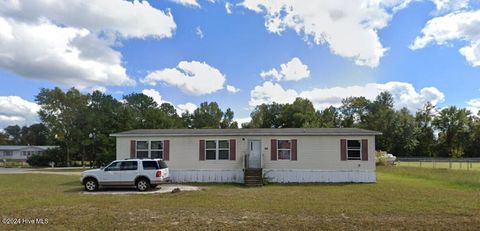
<point>91,185</point>
<point>142,184</point>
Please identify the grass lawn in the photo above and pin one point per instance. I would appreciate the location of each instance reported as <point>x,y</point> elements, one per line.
<point>402,199</point>
<point>454,165</point>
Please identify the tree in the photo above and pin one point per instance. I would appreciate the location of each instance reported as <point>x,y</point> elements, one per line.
<point>35,134</point>
<point>329,118</point>
<point>62,113</point>
<point>404,140</point>
<point>354,110</point>
<point>207,115</point>
<point>299,114</point>
<point>227,120</point>
<point>380,117</point>
<point>425,134</point>
<point>453,124</point>
<point>14,134</point>
<point>267,116</point>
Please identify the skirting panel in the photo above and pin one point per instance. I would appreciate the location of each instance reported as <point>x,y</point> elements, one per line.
<point>207,176</point>
<point>297,176</point>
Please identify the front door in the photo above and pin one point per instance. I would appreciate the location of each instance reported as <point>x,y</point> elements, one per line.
<point>255,150</point>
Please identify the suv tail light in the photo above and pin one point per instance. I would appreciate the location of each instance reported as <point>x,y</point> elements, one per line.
<point>158,174</point>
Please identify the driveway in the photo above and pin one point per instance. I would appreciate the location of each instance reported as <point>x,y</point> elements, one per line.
<point>163,188</point>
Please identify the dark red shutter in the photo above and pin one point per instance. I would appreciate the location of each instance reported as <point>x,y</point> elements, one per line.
<point>201,150</point>
<point>365,150</point>
<point>133,149</point>
<point>166,150</point>
<point>273,151</point>
<point>343,149</point>
<point>294,149</point>
<point>233,149</point>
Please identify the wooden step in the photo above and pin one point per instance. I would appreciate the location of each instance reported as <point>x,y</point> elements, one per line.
<point>253,177</point>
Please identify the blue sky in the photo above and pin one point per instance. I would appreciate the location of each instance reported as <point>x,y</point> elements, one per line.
<point>409,48</point>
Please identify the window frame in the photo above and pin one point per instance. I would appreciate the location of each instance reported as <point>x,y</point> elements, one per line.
<point>354,149</point>
<point>150,149</point>
<point>218,149</point>
<point>156,150</point>
<point>284,149</point>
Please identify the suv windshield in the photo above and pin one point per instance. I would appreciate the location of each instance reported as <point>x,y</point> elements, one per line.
<point>162,164</point>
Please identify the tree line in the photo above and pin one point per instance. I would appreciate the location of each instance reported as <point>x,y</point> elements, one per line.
<point>81,123</point>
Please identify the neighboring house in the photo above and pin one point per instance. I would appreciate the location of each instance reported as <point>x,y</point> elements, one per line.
<point>281,155</point>
<point>21,152</point>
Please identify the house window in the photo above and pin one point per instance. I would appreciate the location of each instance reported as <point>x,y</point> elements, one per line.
<point>8,153</point>
<point>284,149</point>
<point>217,150</point>
<point>157,149</point>
<point>354,148</point>
<point>142,149</point>
<point>152,149</point>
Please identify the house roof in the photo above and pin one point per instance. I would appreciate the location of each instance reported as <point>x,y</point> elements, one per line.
<point>249,132</point>
<point>20,147</point>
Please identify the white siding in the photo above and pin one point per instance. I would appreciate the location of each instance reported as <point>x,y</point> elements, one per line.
<point>318,160</point>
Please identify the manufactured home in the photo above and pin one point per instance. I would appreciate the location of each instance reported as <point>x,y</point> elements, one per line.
<point>244,155</point>
<point>21,152</point>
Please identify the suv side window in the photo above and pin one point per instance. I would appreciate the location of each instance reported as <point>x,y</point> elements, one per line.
<point>150,165</point>
<point>115,166</point>
<point>129,165</point>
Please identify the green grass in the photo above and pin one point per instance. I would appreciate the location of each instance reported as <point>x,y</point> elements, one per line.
<point>445,165</point>
<point>402,199</point>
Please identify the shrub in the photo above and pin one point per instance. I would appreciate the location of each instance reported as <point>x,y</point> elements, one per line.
<point>43,159</point>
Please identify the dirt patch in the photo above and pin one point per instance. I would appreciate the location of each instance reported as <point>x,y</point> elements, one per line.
<point>164,188</point>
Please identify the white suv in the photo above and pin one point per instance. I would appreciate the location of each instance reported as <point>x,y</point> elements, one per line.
<point>141,173</point>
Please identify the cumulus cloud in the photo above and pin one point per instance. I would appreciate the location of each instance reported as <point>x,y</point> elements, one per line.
<point>404,94</point>
<point>271,92</point>
<point>474,105</point>
<point>240,121</point>
<point>195,78</point>
<point>192,3</point>
<point>349,28</point>
<point>232,89</point>
<point>443,6</point>
<point>72,43</point>
<point>16,111</point>
<point>182,108</point>
<point>228,7</point>
<point>293,70</point>
<point>155,95</point>
<point>454,26</point>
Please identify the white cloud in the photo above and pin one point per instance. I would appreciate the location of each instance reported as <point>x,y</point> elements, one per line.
<point>443,6</point>
<point>192,3</point>
<point>454,26</point>
<point>131,19</point>
<point>232,89</point>
<point>16,111</point>
<point>155,95</point>
<point>349,28</point>
<point>199,32</point>
<point>271,92</point>
<point>195,78</point>
<point>72,43</point>
<point>404,94</point>
<point>293,70</point>
<point>474,105</point>
<point>228,7</point>
<point>182,108</point>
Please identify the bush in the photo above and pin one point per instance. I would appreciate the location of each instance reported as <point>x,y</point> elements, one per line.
<point>43,159</point>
